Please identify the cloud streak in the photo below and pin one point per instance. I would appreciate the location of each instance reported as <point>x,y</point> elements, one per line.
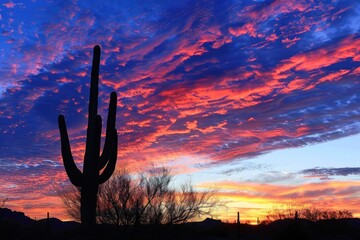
<point>325,173</point>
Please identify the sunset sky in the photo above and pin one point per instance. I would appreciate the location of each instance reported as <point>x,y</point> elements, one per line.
<point>258,99</point>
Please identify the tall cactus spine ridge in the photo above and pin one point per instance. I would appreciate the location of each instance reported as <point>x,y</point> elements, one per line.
<point>97,168</point>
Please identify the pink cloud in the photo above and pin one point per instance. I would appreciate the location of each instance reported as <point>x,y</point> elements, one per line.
<point>347,48</point>
<point>334,76</point>
<point>248,28</point>
<point>9,4</point>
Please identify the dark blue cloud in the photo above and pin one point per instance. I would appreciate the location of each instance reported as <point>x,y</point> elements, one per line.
<point>330,172</point>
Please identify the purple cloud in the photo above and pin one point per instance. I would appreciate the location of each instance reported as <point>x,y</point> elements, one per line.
<point>330,172</point>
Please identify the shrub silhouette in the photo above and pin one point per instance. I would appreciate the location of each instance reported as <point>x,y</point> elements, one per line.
<point>146,199</point>
<point>90,178</point>
<point>300,210</point>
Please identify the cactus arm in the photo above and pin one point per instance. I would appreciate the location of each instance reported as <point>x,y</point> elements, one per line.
<point>75,175</point>
<point>109,127</point>
<point>110,167</point>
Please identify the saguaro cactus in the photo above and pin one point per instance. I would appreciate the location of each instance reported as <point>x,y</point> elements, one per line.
<point>97,168</point>
<point>238,224</point>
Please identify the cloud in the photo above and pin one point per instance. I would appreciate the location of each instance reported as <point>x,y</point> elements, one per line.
<point>9,4</point>
<point>180,92</point>
<point>248,166</point>
<point>326,173</point>
<point>275,176</point>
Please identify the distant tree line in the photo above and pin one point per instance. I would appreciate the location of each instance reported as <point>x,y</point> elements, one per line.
<point>302,210</point>
<point>147,198</point>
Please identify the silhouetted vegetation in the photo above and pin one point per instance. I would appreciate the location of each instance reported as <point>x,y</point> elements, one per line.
<point>147,199</point>
<point>89,179</point>
<point>293,209</point>
<point>15,225</point>
<point>3,202</point>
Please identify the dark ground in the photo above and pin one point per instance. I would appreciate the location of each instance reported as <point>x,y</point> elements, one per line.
<point>15,225</point>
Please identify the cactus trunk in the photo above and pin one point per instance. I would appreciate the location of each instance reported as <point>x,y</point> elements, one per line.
<point>90,178</point>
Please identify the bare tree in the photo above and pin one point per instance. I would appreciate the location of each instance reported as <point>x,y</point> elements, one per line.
<point>70,196</point>
<point>3,202</point>
<point>188,204</point>
<point>154,189</point>
<point>147,198</point>
<point>285,210</point>
<point>315,214</point>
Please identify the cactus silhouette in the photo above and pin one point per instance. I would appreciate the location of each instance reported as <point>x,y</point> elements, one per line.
<point>238,224</point>
<point>96,168</point>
